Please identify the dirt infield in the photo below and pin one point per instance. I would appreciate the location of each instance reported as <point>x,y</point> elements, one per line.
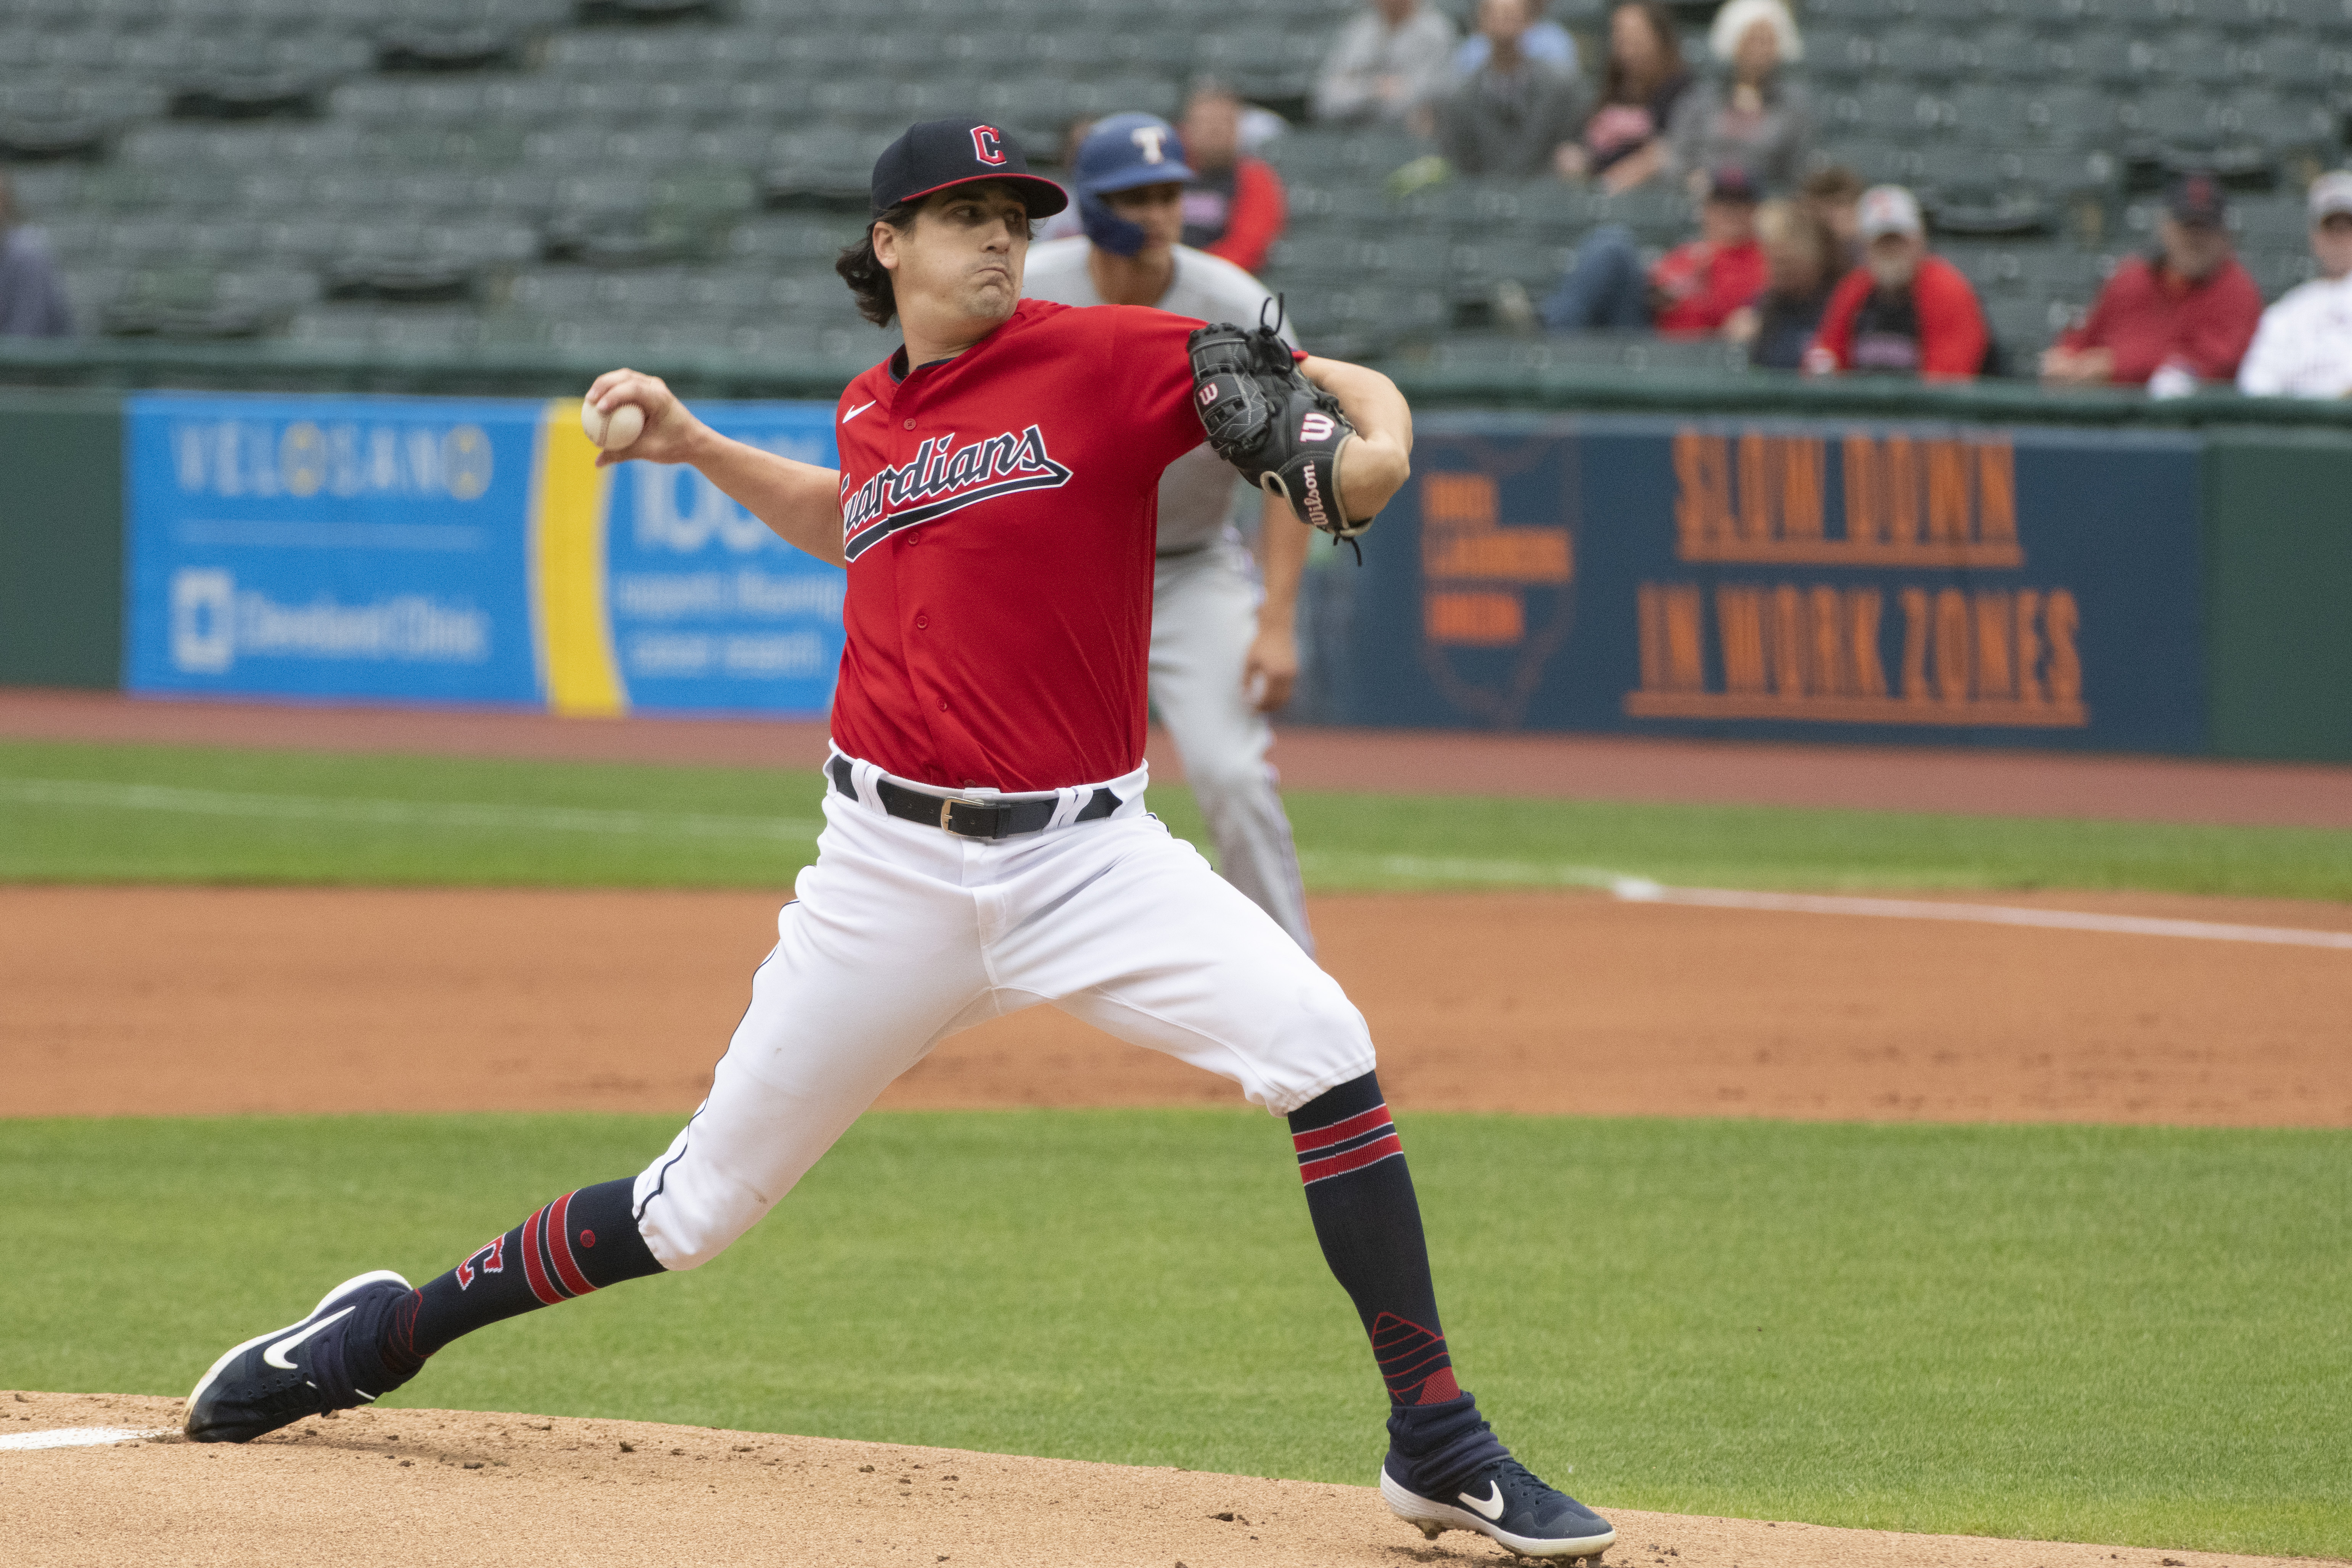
<point>432,1487</point>
<point>1970,781</point>
<point>155,1001</point>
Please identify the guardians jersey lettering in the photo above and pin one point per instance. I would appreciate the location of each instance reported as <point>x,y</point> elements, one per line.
<point>942,478</point>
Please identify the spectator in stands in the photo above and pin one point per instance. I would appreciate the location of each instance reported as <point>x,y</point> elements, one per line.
<point>1800,272</point>
<point>1757,120</point>
<point>1514,113</point>
<point>32,295</point>
<point>1387,67</point>
<point>2170,320</point>
<point>1623,142</point>
<point>1235,208</point>
<point>1902,311</point>
<point>1694,289</point>
<point>1833,194</point>
<point>2303,346</point>
<point>1544,41</point>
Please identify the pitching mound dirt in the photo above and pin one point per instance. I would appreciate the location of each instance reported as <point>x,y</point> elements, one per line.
<point>428,1487</point>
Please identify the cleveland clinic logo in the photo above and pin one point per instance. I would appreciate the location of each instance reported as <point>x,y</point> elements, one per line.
<point>942,478</point>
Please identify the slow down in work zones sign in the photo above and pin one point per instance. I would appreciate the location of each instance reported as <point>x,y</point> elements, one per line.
<point>1885,583</point>
<point>435,550</point>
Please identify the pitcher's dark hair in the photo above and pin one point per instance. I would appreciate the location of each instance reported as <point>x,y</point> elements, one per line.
<point>868,279</point>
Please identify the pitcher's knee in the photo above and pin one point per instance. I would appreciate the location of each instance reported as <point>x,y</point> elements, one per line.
<point>1321,1040</point>
<point>690,1213</point>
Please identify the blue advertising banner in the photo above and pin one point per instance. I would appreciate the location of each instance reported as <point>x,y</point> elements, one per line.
<point>444,550</point>
<point>328,547</point>
<point>1779,580</point>
<point>710,610</point>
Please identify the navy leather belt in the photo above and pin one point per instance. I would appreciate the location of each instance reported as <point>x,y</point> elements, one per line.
<point>968,818</point>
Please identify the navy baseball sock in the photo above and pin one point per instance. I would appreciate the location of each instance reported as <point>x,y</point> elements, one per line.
<point>583,1241</point>
<point>1359,1194</point>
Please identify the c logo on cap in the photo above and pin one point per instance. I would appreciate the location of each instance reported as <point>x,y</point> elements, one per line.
<point>988,143</point>
<point>1150,138</point>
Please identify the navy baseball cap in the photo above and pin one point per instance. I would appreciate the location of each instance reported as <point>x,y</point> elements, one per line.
<point>2196,199</point>
<point>1126,152</point>
<point>938,154</point>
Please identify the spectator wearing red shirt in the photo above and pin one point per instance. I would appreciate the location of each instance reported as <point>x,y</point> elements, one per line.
<point>1693,290</point>
<point>1902,311</point>
<point>1235,207</point>
<point>2182,316</point>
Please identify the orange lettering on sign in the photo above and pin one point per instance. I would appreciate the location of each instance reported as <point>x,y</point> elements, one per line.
<point>1914,644</point>
<point>1866,514</point>
<point>2061,617</point>
<point>1996,626</point>
<point>1825,610</point>
<point>1997,493</point>
<point>1901,466</point>
<point>2029,647</point>
<point>1788,641</point>
<point>1703,493</point>
<point>1760,486</point>
<point>1869,673</point>
<point>1465,501</point>
<point>1739,620</point>
<point>1948,492</point>
<point>1650,615</point>
<point>1951,645</point>
<point>1685,668</point>
<point>1473,619</point>
<point>1801,486</point>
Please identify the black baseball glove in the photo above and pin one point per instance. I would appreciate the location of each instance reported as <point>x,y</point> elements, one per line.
<point>1265,418</point>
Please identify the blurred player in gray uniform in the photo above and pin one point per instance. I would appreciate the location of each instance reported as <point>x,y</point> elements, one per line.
<point>1223,652</point>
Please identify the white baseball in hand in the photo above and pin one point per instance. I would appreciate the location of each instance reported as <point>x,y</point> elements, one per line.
<point>616,431</point>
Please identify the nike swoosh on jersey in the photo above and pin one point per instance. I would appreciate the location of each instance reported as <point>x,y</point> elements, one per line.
<point>1491,1506</point>
<point>276,1354</point>
<point>858,410</point>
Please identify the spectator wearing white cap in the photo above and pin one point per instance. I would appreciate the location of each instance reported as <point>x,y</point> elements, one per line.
<point>1757,119</point>
<point>1904,312</point>
<point>2303,346</point>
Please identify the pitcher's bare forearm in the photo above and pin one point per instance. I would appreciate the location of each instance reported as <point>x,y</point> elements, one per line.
<point>1374,466</point>
<point>800,501</point>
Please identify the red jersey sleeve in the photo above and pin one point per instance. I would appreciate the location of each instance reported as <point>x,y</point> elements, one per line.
<point>1952,336</point>
<point>2091,332</point>
<point>2218,336</point>
<point>1148,357</point>
<point>1259,212</point>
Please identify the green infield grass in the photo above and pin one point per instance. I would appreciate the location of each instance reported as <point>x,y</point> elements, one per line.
<point>73,813</point>
<point>2131,1335</point>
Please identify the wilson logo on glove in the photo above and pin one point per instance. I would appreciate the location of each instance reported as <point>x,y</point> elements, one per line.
<point>1317,428</point>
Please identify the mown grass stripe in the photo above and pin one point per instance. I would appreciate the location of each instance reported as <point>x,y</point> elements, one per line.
<point>92,796</point>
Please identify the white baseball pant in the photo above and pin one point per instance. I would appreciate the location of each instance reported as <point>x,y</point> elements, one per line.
<point>1203,617</point>
<point>903,934</point>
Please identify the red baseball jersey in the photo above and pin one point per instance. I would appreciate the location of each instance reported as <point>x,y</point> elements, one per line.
<point>999,510</point>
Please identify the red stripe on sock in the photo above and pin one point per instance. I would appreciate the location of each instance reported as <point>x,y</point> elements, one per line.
<point>559,1249</point>
<point>1340,1131</point>
<point>533,1268</point>
<point>1354,1159</point>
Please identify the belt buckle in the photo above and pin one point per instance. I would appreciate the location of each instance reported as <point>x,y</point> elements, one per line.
<point>947,816</point>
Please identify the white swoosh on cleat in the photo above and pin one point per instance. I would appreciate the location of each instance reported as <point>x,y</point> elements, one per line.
<point>276,1354</point>
<point>1490,1508</point>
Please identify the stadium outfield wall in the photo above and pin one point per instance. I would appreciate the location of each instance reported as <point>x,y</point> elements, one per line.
<point>1883,564</point>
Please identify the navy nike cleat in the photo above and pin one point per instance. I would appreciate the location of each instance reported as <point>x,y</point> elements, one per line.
<point>302,1369</point>
<point>1505,1502</point>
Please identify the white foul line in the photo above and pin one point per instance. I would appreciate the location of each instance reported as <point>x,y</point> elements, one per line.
<point>73,1437</point>
<point>1635,889</point>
